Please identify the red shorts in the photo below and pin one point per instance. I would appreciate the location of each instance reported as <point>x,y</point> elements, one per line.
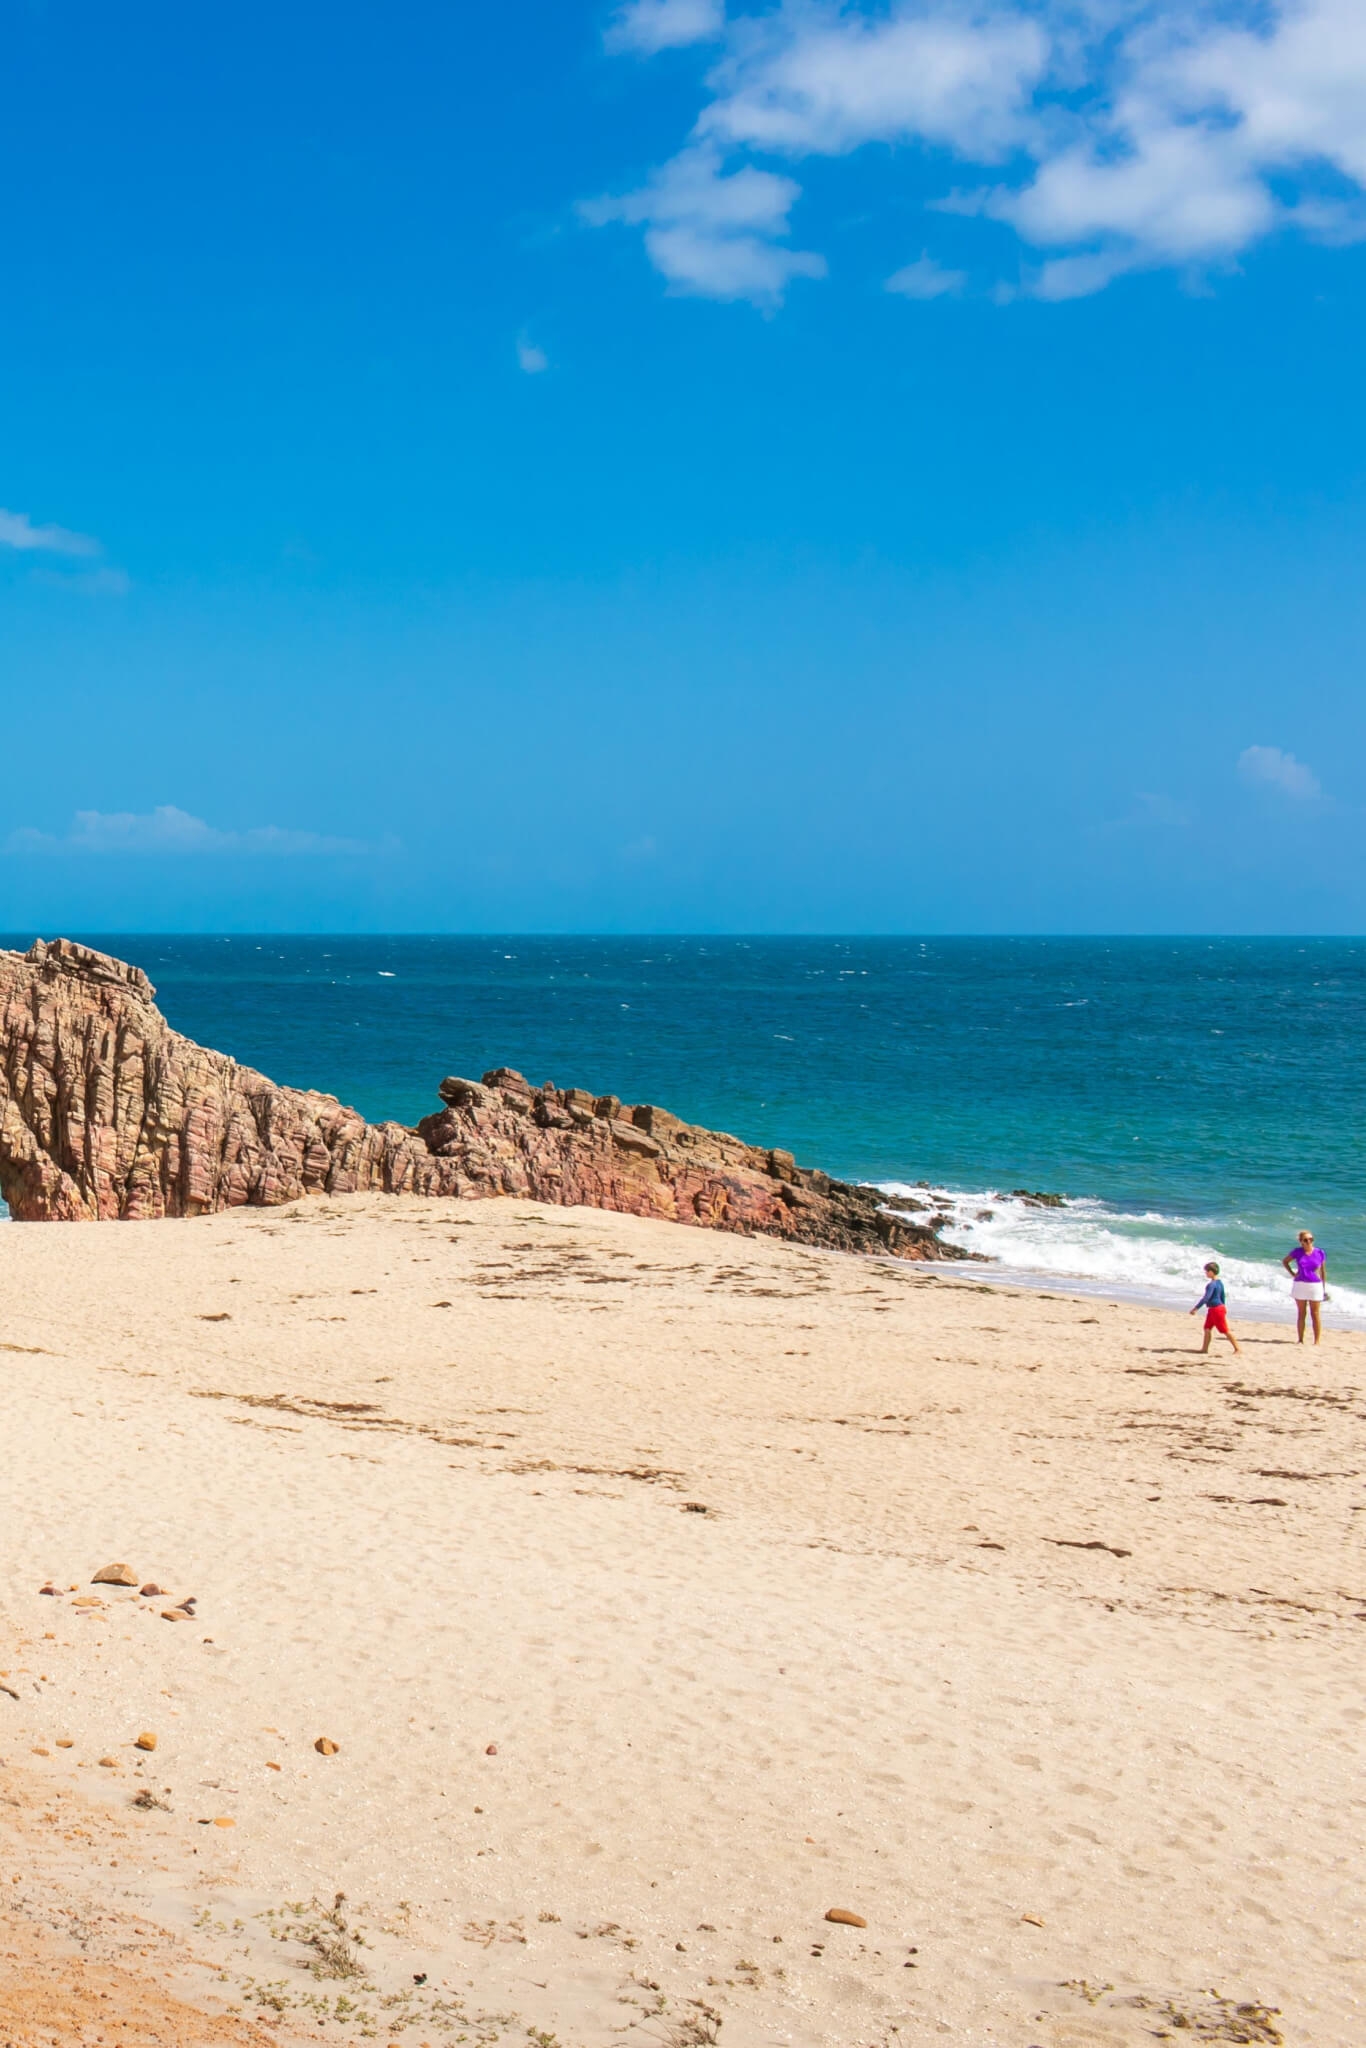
<point>1217,1319</point>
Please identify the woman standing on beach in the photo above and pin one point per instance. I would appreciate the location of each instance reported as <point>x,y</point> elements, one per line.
<point>1308,1270</point>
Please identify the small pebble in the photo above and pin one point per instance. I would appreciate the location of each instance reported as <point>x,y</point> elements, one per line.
<point>222,1821</point>
<point>844,1918</point>
<point>65,1742</point>
<point>109,1763</point>
<point>146,1740</point>
<point>115,1575</point>
<point>151,1591</point>
<point>325,1746</point>
<point>1032,1918</point>
<point>492,1749</point>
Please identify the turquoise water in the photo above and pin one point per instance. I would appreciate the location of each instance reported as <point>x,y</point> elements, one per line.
<point>1187,1095</point>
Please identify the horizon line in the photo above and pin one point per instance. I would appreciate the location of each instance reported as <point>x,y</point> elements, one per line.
<point>85,935</point>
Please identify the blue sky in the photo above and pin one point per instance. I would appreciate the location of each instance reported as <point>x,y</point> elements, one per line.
<point>684,467</point>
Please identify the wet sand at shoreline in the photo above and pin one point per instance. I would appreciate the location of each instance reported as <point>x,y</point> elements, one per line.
<point>662,1590</point>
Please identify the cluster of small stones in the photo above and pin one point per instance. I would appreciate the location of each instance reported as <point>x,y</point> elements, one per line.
<point>107,1113</point>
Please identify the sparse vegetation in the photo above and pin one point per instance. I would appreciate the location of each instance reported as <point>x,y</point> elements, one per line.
<point>334,1943</point>
<point>695,2029</point>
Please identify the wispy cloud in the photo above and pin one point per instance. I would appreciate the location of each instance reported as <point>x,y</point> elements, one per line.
<point>713,233</point>
<point>20,534</point>
<point>1160,809</point>
<point>1110,135</point>
<point>650,25</point>
<point>531,359</point>
<point>101,582</point>
<point>18,531</point>
<point>1269,768</point>
<point>926,279</point>
<point>169,830</point>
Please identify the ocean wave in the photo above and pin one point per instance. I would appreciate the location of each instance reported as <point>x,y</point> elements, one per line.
<point>1133,1255</point>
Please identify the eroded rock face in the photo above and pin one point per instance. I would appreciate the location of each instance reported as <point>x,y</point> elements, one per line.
<point>105,1113</point>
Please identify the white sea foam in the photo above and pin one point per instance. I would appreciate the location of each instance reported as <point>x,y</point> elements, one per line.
<point>1136,1256</point>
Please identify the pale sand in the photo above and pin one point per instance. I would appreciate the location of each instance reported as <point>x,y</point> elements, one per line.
<point>869,1675</point>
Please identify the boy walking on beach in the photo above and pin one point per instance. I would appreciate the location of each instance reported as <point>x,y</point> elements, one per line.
<point>1212,1301</point>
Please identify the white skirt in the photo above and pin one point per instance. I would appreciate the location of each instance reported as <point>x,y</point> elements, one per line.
<point>1307,1290</point>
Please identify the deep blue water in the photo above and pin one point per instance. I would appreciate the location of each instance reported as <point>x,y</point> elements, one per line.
<point>1201,1092</point>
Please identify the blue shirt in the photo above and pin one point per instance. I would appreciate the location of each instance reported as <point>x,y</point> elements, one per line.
<point>1213,1296</point>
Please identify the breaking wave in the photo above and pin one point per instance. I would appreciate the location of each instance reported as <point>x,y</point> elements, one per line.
<point>1150,1257</point>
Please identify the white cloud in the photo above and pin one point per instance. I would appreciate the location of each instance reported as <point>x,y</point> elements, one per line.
<point>715,233</point>
<point>650,25</point>
<point>1110,135</point>
<point>17,530</point>
<point>1076,277</point>
<point>1269,768</point>
<point>926,279</point>
<point>822,79</point>
<point>169,830</point>
<point>531,359</point>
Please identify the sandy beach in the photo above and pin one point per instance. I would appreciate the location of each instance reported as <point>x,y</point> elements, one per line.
<point>660,1591</point>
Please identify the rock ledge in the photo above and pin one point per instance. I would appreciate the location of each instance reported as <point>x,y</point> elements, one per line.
<point>106,1113</point>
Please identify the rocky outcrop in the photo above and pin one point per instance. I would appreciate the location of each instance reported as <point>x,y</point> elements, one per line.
<point>106,1112</point>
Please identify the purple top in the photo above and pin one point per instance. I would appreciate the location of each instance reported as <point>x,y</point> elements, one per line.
<point>1308,1265</point>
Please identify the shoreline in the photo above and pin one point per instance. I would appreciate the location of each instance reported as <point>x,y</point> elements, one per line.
<point>1081,1288</point>
<point>995,1273</point>
<point>1082,1242</point>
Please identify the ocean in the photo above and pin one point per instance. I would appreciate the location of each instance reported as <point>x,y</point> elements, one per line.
<point>1187,1097</point>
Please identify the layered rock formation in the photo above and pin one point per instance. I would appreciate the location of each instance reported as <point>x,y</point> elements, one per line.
<point>106,1112</point>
